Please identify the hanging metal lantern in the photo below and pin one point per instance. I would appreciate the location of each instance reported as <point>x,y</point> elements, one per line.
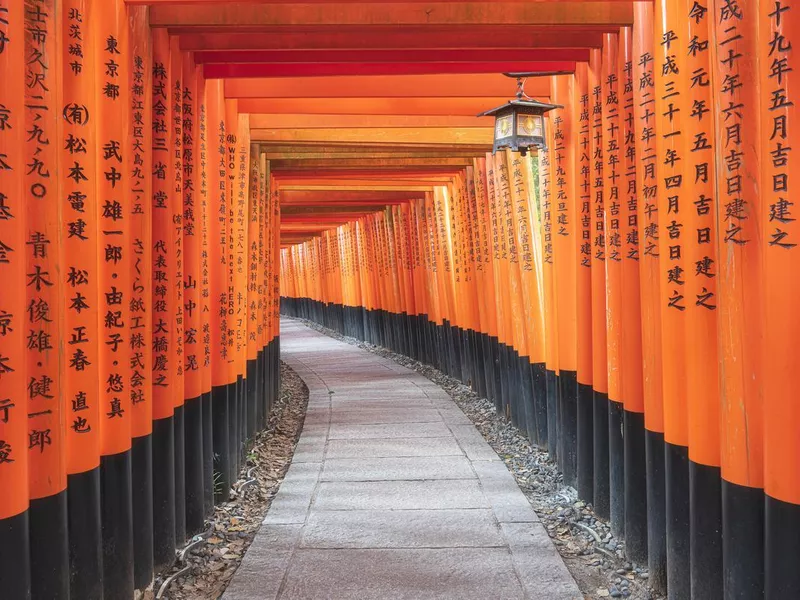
<point>520,124</point>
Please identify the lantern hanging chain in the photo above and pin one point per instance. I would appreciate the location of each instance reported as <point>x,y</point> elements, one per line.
<point>521,95</point>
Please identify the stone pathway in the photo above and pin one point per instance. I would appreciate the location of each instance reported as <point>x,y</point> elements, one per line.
<point>392,494</point>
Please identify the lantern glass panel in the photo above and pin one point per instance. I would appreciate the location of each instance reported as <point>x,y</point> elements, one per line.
<point>530,125</point>
<point>504,127</point>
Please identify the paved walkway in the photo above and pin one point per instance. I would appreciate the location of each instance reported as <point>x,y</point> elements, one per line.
<point>392,494</point>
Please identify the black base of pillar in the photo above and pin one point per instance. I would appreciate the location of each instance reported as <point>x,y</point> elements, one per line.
<point>180,475</point>
<point>743,542</point>
<point>142,499</point>
<point>782,547</point>
<point>635,488</point>
<point>223,476</point>
<point>208,454</point>
<point>15,568</point>
<point>616,468</point>
<point>117,515</point>
<point>676,472</point>
<point>163,494</point>
<point>49,547</point>
<point>705,531</point>
<point>85,535</point>
<point>553,434</point>
<point>193,461</point>
<point>569,425</point>
<point>656,511</point>
<point>585,442</point>
<point>602,498</point>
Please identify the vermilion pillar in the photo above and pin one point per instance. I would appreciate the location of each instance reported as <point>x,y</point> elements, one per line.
<point>699,281</point>
<point>163,302</point>
<point>583,282</point>
<point>599,348</point>
<point>645,131</point>
<point>14,503</point>
<point>671,113</point>
<point>116,264</point>
<point>218,219</point>
<point>192,311</point>
<point>43,325</point>
<point>80,252</point>
<point>565,249</point>
<point>614,252</point>
<point>772,203</point>
<point>141,319</point>
<point>631,378</point>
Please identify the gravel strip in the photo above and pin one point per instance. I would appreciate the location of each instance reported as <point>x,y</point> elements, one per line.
<point>210,565</point>
<point>600,568</point>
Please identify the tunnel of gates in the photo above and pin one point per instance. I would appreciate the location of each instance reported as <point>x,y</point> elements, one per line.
<point>626,296</point>
<point>139,305</point>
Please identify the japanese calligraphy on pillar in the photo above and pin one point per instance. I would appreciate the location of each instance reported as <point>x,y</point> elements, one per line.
<point>163,232</point>
<point>176,202</point>
<point>192,331</point>
<point>628,149</point>
<point>778,21</point>
<point>670,102</point>
<point>776,51</point>
<point>140,184</point>
<point>645,125</point>
<point>41,251</point>
<point>114,226</point>
<point>253,250</point>
<point>242,181</point>
<point>13,317</point>
<point>231,124</point>
<point>671,114</point>
<point>585,172</point>
<point>203,191</point>
<point>80,239</point>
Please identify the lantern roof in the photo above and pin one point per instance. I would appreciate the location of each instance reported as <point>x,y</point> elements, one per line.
<point>544,106</point>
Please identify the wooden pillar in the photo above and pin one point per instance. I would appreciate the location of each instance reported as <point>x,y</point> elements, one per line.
<point>163,302</point>
<point>44,323</point>
<point>550,308</point>
<point>583,282</point>
<point>117,260</point>
<point>140,164</point>
<point>671,113</point>
<point>599,348</point>
<point>527,253</point>
<point>631,383</point>
<point>646,129</point>
<point>192,310</point>
<point>14,439</point>
<point>202,187</point>
<point>563,122</point>
<point>778,26</point>
<point>613,177</point>
<point>79,233</point>
<point>699,283</point>
<point>218,258</point>
<point>240,282</point>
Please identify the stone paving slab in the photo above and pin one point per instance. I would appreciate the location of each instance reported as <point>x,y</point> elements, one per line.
<point>398,447</point>
<point>395,430</point>
<point>419,574</point>
<point>405,467</point>
<point>402,529</point>
<point>400,495</point>
<point>392,494</point>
